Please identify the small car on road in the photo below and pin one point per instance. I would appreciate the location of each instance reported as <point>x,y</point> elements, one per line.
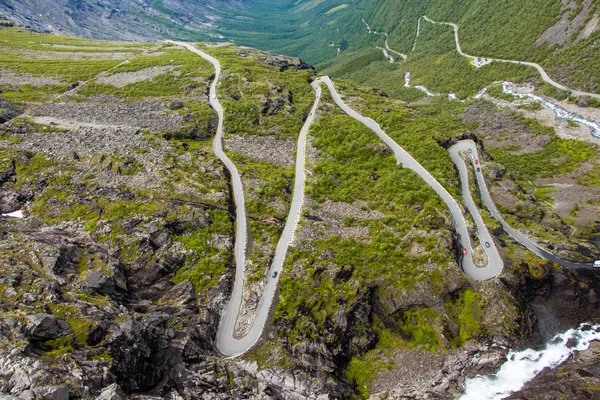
<point>597,264</point>
<point>464,251</point>
<point>487,244</point>
<point>275,274</point>
<point>476,161</point>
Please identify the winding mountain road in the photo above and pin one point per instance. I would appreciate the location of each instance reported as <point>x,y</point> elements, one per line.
<point>541,70</point>
<point>466,145</point>
<point>232,346</point>
<point>494,265</point>
<point>385,43</point>
<point>227,343</point>
<point>484,60</point>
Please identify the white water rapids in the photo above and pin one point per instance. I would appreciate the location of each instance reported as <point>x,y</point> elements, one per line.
<point>522,366</point>
<point>561,113</point>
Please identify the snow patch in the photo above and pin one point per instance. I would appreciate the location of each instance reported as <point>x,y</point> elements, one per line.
<point>16,214</point>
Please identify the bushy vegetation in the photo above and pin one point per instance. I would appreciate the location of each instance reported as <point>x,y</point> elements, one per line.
<point>559,157</point>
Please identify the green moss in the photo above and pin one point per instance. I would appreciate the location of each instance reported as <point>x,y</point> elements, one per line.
<point>469,317</point>
<point>37,164</point>
<point>78,324</point>
<point>58,347</point>
<point>104,356</point>
<point>420,324</point>
<point>364,371</point>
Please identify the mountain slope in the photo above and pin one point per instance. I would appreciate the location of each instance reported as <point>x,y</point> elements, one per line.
<point>122,264</point>
<point>113,19</point>
<point>561,36</point>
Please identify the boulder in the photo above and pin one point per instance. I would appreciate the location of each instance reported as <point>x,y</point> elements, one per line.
<point>108,281</point>
<point>67,260</point>
<point>45,327</point>
<point>175,105</point>
<point>8,111</point>
<point>182,294</point>
<point>27,395</point>
<point>112,392</point>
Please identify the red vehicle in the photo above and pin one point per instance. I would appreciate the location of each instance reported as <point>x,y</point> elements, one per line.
<point>476,161</point>
<point>464,251</point>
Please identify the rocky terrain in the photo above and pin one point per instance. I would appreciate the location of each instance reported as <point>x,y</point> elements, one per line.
<point>113,283</point>
<point>577,378</point>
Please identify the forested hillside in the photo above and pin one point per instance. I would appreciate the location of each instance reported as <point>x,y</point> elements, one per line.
<point>333,35</point>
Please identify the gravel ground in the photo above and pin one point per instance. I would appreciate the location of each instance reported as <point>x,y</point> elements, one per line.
<point>263,149</point>
<point>15,79</point>
<point>144,114</point>
<point>122,79</point>
<point>86,141</point>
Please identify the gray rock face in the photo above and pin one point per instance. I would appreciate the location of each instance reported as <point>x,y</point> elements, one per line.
<point>45,327</point>
<point>112,19</point>
<point>8,111</point>
<point>112,392</point>
<point>52,393</point>
<point>284,63</point>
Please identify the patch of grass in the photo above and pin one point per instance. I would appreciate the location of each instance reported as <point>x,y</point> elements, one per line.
<point>208,264</point>
<point>364,371</point>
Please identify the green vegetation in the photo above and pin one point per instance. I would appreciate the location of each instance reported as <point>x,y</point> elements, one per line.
<point>204,268</point>
<point>559,157</point>
<point>314,30</point>
<point>364,371</point>
<point>188,69</point>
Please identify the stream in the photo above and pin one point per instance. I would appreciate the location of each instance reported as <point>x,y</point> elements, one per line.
<point>561,113</point>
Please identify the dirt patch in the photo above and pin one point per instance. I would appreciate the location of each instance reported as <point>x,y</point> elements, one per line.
<point>327,219</point>
<point>263,149</point>
<point>150,115</point>
<point>122,79</point>
<point>15,79</point>
<point>499,128</point>
<point>339,211</point>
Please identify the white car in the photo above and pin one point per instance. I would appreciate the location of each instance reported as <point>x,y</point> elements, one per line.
<point>597,264</point>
